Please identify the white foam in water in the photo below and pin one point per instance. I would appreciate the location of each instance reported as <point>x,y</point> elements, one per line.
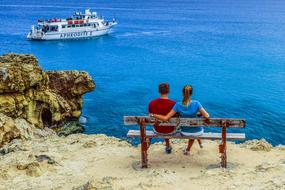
<point>144,33</point>
<point>82,119</point>
<point>127,34</point>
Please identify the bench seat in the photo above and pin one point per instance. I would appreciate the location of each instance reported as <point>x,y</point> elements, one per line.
<point>211,136</point>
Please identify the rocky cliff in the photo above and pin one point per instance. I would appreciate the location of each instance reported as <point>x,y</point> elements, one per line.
<point>42,98</point>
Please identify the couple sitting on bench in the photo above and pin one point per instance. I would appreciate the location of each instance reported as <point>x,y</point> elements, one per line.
<point>164,108</point>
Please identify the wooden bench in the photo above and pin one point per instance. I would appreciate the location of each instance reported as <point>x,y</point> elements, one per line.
<point>223,123</point>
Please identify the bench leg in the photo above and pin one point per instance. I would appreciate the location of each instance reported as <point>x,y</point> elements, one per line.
<point>144,144</point>
<point>223,147</point>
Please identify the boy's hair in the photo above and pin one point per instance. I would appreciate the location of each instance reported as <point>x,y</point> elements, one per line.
<point>163,88</point>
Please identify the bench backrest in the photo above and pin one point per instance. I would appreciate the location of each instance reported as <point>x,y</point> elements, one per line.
<point>187,122</point>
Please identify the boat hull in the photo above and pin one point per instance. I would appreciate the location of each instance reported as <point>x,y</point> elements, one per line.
<point>69,35</point>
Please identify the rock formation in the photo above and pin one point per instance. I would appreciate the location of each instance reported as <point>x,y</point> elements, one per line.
<point>18,129</point>
<point>42,98</point>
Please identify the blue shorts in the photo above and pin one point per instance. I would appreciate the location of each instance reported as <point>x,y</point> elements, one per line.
<point>192,131</point>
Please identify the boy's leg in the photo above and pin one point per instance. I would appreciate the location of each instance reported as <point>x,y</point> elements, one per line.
<point>168,148</point>
<point>167,143</point>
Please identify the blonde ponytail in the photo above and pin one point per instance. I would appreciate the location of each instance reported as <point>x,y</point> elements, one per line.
<point>187,92</point>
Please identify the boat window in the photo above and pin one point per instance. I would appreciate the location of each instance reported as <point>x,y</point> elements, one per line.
<point>53,28</point>
<point>88,24</point>
<point>45,28</point>
<point>63,26</point>
<point>77,25</point>
<point>68,26</point>
<point>73,25</point>
<point>81,25</point>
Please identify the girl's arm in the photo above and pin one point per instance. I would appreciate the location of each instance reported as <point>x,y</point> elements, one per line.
<point>165,117</point>
<point>204,113</point>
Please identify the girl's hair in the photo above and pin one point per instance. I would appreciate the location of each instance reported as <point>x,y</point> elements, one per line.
<point>187,92</point>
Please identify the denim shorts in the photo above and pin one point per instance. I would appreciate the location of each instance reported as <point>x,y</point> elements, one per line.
<point>192,131</point>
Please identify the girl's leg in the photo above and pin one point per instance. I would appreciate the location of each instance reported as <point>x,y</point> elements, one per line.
<point>190,143</point>
<point>200,143</point>
<point>187,150</point>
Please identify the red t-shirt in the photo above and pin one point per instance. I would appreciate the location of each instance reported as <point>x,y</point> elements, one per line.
<point>162,107</point>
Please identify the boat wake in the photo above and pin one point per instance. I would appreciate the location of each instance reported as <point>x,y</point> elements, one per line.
<point>143,33</point>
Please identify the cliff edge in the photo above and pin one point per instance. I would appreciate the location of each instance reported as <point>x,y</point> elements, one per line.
<point>91,162</point>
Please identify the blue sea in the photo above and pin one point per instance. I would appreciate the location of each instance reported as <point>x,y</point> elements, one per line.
<point>231,51</point>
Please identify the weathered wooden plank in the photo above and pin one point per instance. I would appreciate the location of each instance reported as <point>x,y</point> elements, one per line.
<point>211,136</point>
<point>189,122</point>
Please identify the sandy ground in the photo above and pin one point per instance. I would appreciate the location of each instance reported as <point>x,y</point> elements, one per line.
<point>84,162</point>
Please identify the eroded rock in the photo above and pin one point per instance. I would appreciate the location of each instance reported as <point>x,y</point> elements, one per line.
<point>14,129</point>
<point>19,73</point>
<point>15,145</point>
<point>106,183</point>
<point>258,145</point>
<point>44,99</point>
<point>8,130</point>
<point>36,165</point>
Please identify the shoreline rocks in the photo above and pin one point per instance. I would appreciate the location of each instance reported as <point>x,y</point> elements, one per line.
<point>258,145</point>
<point>42,98</point>
<point>71,127</point>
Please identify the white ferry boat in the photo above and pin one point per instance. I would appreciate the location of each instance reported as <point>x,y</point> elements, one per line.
<point>78,26</point>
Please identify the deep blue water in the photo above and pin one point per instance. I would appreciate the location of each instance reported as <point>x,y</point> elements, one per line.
<point>232,52</point>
